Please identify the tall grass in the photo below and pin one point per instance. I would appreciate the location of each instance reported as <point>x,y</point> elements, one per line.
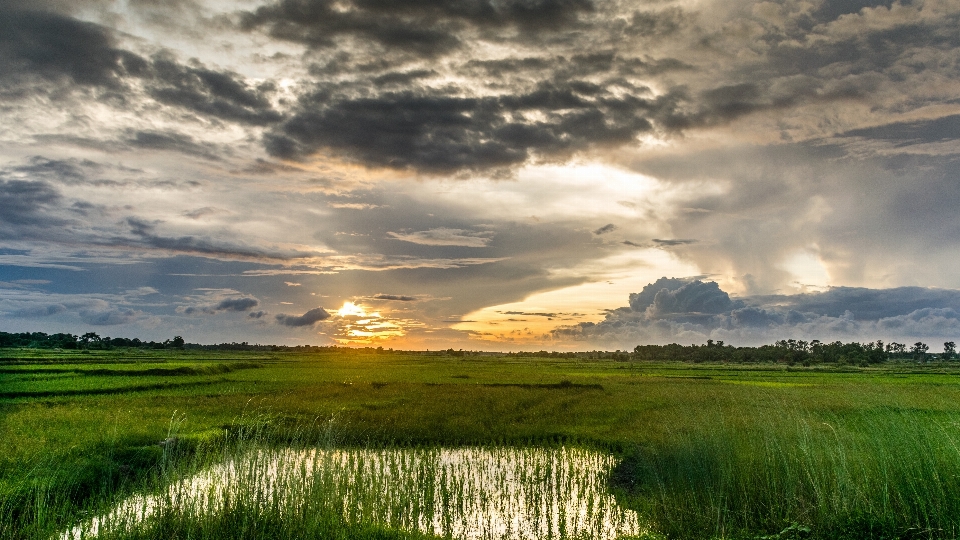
<point>779,453</point>
<point>777,470</point>
<point>769,469</point>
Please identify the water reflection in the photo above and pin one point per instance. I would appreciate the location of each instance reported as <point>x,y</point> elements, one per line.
<point>468,493</point>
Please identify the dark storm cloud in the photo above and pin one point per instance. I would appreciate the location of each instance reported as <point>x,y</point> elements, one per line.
<point>433,132</point>
<point>424,27</point>
<point>307,319</point>
<point>216,93</point>
<point>582,101</point>
<point>658,24</point>
<point>56,47</point>
<point>729,102</point>
<point>59,49</point>
<point>685,310</point>
<point>402,78</point>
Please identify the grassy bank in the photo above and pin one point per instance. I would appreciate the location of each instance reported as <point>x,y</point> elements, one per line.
<point>708,451</point>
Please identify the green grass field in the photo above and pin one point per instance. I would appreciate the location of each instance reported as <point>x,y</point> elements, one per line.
<point>704,451</point>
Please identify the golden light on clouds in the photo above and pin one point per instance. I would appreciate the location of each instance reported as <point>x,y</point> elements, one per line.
<point>612,280</point>
<point>350,309</point>
<point>357,326</point>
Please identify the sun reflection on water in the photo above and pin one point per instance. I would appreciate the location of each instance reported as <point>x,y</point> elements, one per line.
<point>492,493</point>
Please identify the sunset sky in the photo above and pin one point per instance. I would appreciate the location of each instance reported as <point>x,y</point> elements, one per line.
<point>481,174</point>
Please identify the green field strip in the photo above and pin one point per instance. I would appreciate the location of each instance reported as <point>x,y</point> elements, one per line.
<point>4,394</point>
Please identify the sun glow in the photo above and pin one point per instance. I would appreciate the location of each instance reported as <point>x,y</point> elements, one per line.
<point>357,326</point>
<point>350,309</point>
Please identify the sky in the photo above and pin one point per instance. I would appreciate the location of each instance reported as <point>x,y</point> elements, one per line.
<point>481,174</point>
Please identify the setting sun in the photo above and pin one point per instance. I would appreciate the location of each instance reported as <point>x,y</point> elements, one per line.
<point>350,309</point>
<point>357,326</point>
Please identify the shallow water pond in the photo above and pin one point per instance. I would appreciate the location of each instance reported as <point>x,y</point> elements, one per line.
<point>468,493</point>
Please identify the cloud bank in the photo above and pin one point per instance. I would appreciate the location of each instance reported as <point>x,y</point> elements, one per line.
<point>692,311</point>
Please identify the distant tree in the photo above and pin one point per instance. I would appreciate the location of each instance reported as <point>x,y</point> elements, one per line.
<point>949,350</point>
<point>919,351</point>
<point>90,337</point>
<point>895,349</point>
<point>175,343</point>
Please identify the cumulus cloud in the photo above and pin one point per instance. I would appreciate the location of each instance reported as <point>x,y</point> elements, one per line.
<point>309,318</point>
<point>690,310</point>
<point>693,298</point>
<point>237,304</point>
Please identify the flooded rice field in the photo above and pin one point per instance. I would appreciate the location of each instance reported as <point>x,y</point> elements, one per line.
<point>465,493</point>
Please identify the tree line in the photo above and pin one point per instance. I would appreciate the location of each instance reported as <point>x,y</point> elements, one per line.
<point>789,351</point>
<point>88,341</point>
<point>792,351</point>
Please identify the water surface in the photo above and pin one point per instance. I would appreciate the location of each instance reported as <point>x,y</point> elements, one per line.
<point>466,493</point>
